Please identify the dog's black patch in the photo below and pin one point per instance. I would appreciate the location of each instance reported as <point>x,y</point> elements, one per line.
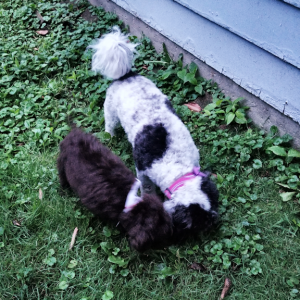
<point>191,220</point>
<point>170,107</point>
<point>150,144</point>
<point>210,189</point>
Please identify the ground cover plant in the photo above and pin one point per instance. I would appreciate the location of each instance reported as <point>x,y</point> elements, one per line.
<point>45,78</point>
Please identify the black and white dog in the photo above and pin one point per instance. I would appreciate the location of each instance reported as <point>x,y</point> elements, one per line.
<point>164,152</point>
<point>109,190</point>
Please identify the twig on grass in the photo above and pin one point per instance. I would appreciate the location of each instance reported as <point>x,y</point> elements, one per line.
<point>73,238</point>
<point>226,288</point>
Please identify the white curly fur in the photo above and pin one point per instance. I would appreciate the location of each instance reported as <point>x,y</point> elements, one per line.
<point>114,54</point>
<point>135,102</point>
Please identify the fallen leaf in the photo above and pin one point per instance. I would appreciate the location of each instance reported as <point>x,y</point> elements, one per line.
<point>16,223</point>
<point>193,106</point>
<point>73,238</point>
<point>40,194</point>
<point>42,32</point>
<point>36,49</point>
<point>198,267</point>
<point>226,288</point>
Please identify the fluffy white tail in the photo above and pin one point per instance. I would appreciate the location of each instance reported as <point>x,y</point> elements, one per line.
<point>114,54</point>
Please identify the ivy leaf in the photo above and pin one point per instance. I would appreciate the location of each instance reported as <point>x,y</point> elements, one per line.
<point>50,261</point>
<point>68,274</point>
<point>287,196</point>
<point>73,263</point>
<point>63,285</point>
<point>277,150</point>
<point>257,164</point>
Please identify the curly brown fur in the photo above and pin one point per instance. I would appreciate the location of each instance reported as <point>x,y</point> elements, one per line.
<point>102,182</point>
<point>152,222</point>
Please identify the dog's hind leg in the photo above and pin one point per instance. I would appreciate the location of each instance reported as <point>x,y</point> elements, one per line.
<point>147,187</point>
<point>64,183</point>
<point>110,115</point>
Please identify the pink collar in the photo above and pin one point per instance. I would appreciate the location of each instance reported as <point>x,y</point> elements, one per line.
<point>180,182</point>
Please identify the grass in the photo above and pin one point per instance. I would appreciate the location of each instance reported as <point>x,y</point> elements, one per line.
<point>45,79</point>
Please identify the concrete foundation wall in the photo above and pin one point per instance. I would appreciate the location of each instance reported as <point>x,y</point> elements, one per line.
<point>262,114</point>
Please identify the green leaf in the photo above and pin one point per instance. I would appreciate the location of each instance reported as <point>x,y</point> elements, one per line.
<point>68,274</point>
<point>242,200</point>
<point>273,130</point>
<point>1,244</point>
<point>220,179</point>
<point>238,100</point>
<point>190,78</point>
<point>107,295</point>
<point>210,106</point>
<point>248,182</point>
<point>94,248</point>
<point>277,150</point>
<point>287,196</point>
<point>179,61</point>
<point>193,68</point>
<point>1,230</point>
<point>106,247</point>
<point>181,74</point>
<point>293,153</point>
<point>124,272</point>
<point>257,164</point>
<point>50,261</point>
<point>104,136</point>
<point>166,74</point>
<point>167,57</point>
<point>106,231</point>
<point>199,89</point>
<point>229,118</point>
<point>63,285</point>
<point>117,260</point>
<point>73,263</point>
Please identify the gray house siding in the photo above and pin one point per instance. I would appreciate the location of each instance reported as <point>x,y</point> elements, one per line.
<point>251,55</point>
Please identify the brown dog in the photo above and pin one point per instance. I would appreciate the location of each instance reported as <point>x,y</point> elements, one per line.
<point>108,189</point>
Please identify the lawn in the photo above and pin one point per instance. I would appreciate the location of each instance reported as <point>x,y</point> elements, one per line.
<point>45,80</point>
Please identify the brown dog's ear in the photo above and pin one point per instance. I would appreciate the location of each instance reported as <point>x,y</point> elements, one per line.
<point>147,224</point>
